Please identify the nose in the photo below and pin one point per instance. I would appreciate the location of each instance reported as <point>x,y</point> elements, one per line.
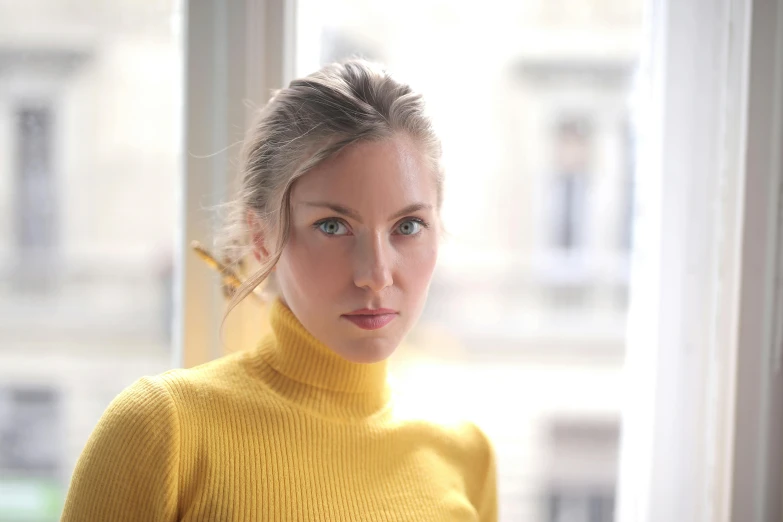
<point>373,263</point>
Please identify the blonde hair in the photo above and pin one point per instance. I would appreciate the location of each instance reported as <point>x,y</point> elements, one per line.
<point>302,125</point>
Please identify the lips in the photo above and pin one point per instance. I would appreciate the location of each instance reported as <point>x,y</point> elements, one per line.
<point>367,319</point>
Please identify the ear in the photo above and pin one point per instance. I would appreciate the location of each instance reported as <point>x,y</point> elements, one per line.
<point>258,236</point>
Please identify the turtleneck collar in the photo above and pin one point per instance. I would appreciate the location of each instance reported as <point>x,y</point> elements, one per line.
<point>307,372</point>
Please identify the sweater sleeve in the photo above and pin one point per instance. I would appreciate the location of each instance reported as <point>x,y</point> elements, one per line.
<point>129,467</point>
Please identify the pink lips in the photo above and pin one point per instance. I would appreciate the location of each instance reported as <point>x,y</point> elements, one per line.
<point>368,319</point>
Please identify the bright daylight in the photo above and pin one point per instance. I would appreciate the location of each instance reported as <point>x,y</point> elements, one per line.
<point>345,260</point>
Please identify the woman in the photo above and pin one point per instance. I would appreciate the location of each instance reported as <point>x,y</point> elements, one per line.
<point>341,194</point>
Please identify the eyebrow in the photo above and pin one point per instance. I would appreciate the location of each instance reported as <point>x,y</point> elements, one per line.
<point>353,214</point>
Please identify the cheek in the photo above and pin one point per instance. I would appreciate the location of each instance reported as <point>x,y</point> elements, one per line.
<point>312,264</point>
<point>418,264</point>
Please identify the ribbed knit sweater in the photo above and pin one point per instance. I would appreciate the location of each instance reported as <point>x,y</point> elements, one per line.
<point>285,432</point>
<point>288,431</point>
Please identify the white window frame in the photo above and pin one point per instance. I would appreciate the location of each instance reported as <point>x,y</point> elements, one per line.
<point>702,431</point>
<point>232,64</point>
<point>701,437</point>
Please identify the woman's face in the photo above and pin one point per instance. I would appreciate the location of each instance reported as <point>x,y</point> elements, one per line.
<point>362,247</point>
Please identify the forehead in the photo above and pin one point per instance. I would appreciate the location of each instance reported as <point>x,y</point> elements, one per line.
<point>372,173</point>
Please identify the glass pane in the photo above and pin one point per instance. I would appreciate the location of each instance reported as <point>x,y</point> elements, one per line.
<point>90,126</point>
<point>529,301</point>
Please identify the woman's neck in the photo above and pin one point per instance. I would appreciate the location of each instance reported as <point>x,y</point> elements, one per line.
<point>308,372</point>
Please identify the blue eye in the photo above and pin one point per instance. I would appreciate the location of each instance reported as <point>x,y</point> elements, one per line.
<point>410,227</point>
<point>332,227</point>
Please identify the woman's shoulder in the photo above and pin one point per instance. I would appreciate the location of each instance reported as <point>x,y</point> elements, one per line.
<point>473,456</point>
<point>466,435</point>
<point>466,449</point>
<point>155,397</point>
<point>224,370</point>
<point>153,408</point>
<point>227,378</point>
<point>147,401</point>
<point>448,426</point>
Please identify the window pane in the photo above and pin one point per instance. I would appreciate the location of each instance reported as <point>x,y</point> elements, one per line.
<point>90,120</point>
<point>529,301</point>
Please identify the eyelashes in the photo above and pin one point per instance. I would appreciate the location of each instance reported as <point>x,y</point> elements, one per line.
<point>420,223</point>
<point>332,227</point>
<point>336,227</point>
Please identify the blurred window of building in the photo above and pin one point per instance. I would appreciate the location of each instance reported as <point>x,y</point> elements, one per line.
<point>581,506</point>
<point>31,452</point>
<point>35,195</point>
<point>581,477</point>
<point>569,210</point>
<point>28,419</point>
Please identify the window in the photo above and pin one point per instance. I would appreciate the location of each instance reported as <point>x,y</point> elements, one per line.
<point>581,506</point>
<point>28,419</point>
<point>36,196</point>
<point>31,452</point>
<point>569,208</point>
<point>581,481</point>
<point>571,149</point>
<point>627,208</point>
<point>504,81</point>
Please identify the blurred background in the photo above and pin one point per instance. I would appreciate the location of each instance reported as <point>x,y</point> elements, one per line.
<point>529,301</point>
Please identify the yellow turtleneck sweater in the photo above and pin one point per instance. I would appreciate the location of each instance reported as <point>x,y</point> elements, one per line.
<point>287,432</point>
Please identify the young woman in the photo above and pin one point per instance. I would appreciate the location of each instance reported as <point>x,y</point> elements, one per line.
<point>341,193</point>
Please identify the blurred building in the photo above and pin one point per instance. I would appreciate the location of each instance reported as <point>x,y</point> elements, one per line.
<point>90,101</point>
<point>524,327</point>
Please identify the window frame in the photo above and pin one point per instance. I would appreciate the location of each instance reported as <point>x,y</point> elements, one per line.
<point>701,435</point>
<point>717,288</point>
<point>229,73</point>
